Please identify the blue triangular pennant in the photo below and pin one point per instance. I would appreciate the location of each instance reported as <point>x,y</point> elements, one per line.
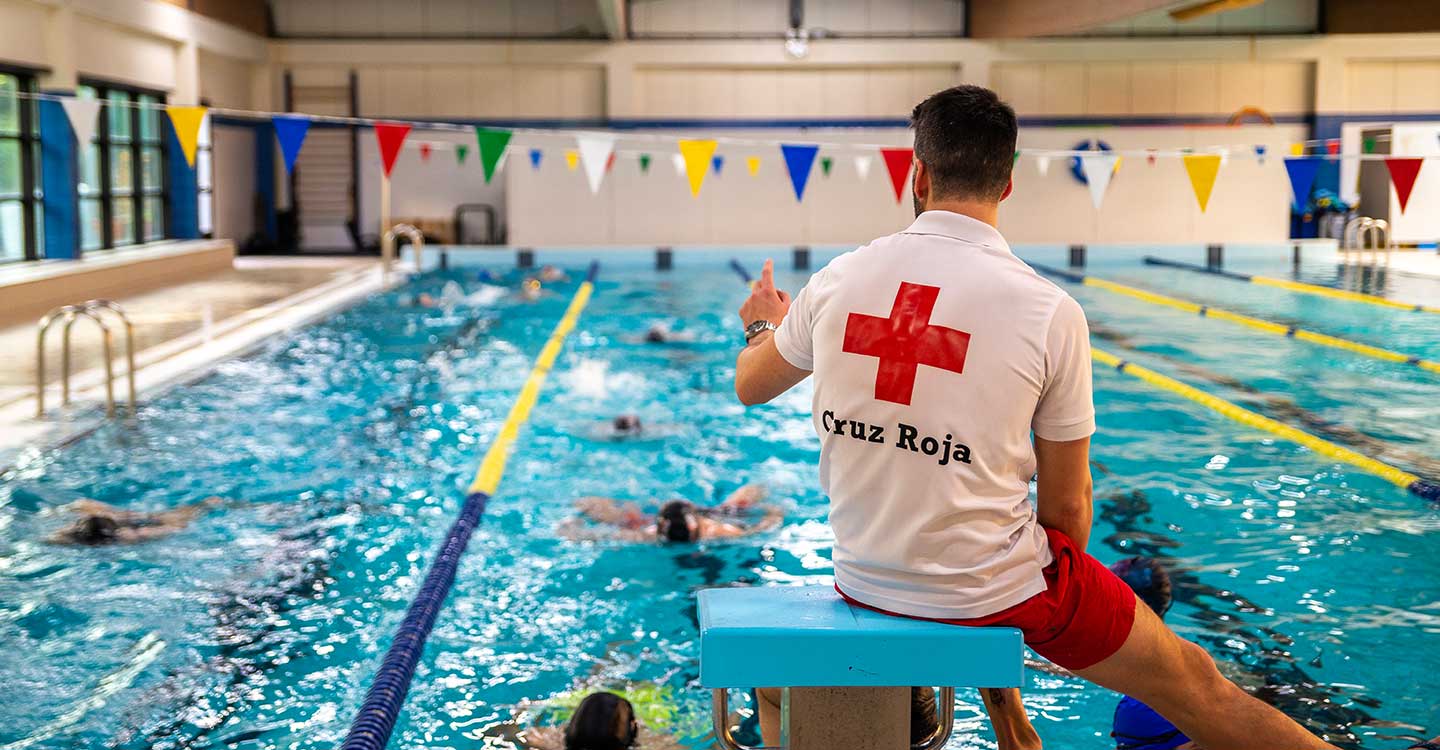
<point>290,132</point>
<point>1260,153</point>
<point>718,163</point>
<point>535,156</point>
<point>799,158</point>
<point>1302,171</point>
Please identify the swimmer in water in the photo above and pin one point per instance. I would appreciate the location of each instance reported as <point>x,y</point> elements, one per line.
<point>626,425</point>
<point>100,523</point>
<point>1137,726</point>
<point>531,290</point>
<point>677,520</point>
<point>551,275</point>
<point>602,721</point>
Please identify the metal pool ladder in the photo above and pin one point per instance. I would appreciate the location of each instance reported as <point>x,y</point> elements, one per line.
<point>95,310</point>
<point>388,249</point>
<point>1364,233</point>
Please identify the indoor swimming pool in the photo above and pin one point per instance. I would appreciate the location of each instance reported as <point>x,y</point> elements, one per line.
<point>344,450</point>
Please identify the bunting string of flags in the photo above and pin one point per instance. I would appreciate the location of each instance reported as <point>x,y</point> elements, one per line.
<point>695,158</point>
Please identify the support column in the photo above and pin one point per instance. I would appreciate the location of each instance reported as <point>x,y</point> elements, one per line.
<point>855,718</point>
<point>59,154</point>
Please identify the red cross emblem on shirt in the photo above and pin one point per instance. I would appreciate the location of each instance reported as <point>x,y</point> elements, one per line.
<point>904,341</point>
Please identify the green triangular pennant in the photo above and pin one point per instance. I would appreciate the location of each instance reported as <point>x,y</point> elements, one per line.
<point>1016,159</point>
<point>644,164</point>
<point>1368,146</point>
<point>492,147</point>
<point>825,164</point>
<point>461,151</point>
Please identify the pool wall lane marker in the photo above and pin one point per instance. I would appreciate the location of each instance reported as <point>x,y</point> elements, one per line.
<point>375,721</point>
<point>1411,482</point>
<point>1206,311</point>
<point>1294,286</point>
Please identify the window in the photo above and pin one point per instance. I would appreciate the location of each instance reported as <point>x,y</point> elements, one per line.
<point>122,171</point>
<point>205,177</point>
<point>20,217</point>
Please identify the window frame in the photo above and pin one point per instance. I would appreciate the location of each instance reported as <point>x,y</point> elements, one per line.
<point>137,191</point>
<point>28,138</point>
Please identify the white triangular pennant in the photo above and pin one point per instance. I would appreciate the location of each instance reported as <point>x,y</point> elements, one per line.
<point>84,115</point>
<point>679,162</point>
<point>1098,167</point>
<point>1224,156</point>
<point>1042,164</point>
<point>862,166</point>
<point>595,150</point>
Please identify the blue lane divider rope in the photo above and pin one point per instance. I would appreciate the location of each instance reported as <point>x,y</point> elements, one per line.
<point>375,721</point>
<point>739,269</point>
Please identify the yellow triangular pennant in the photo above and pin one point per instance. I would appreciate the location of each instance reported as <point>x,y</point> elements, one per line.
<point>186,121</point>
<point>697,161</point>
<point>1202,169</point>
<point>752,163</point>
<point>1297,149</point>
<point>572,159</point>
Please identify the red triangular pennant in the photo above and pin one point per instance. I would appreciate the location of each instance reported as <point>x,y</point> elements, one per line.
<point>424,152</point>
<point>1402,174</point>
<point>390,136</point>
<point>897,163</point>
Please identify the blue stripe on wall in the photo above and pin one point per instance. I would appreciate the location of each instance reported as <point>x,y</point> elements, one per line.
<point>60,175</point>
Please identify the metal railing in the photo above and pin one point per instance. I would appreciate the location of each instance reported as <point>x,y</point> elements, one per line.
<point>96,310</point>
<point>387,246</point>
<point>720,715</point>
<point>1365,233</point>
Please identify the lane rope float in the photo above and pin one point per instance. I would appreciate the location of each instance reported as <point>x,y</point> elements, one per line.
<point>1206,311</point>
<point>1294,286</point>
<point>375,721</point>
<point>1428,490</point>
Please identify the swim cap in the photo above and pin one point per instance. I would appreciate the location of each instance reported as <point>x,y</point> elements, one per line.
<point>673,524</point>
<point>1138,727</point>
<point>1148,579</point>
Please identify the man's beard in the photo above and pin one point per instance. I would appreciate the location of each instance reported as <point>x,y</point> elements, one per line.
<point>915,200</point>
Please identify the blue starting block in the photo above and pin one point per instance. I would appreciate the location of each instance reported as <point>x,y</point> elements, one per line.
<point>809,637</point>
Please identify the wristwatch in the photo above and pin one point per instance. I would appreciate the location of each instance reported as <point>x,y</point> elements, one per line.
<point>756,328</point>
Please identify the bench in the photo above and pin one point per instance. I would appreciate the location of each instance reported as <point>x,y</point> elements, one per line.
<point>846,670</point>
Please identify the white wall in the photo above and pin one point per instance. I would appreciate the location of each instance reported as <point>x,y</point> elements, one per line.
<point>234,182</point>
<point>1421,222</point>
<point>430,190</point>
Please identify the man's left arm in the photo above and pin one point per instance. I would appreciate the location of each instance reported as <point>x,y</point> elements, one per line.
<point>761,372</point>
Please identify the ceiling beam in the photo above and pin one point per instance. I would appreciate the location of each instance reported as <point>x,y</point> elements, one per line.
<point>1008,19</point>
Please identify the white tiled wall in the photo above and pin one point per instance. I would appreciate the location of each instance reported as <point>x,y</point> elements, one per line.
<point>1156,87</point>
<point>888,92</point>
<point>1385,86</point>
<point>482,91</point>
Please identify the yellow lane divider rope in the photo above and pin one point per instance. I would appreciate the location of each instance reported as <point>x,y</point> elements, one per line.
<point>1296,286</point>
<point>492,467</point>
<point>1258,324</point>
<point>1405,479</point>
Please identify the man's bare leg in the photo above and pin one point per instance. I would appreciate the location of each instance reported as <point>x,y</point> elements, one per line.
<point>1013,730</point>
<point>1179,680</point>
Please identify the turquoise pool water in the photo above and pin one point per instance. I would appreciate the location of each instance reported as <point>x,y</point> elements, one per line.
<point>347,446</point>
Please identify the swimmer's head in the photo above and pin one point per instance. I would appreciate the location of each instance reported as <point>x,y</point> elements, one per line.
<point>94,530</point>
<point>530,288</point>
<point>602,721</point>
<point>657,334</point>
<point>627,424</point>
<point>677,522</point>
<point>1148,579</point>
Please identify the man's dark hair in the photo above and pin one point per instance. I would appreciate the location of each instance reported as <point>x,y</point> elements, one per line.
<point>95,530</point>
<point>602,721</point>
<point>965,137</point>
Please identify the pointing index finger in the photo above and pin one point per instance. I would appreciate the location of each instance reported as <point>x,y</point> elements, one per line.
<point>767,275</point>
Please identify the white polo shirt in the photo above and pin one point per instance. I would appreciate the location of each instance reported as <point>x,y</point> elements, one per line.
<point>936,352</point>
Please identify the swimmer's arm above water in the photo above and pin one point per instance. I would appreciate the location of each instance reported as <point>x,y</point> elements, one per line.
<point>761,373</point>
<point>613,512</point>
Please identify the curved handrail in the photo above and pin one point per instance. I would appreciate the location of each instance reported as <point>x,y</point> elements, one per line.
<point>1351,235</point>
<point>119,312</point>
<point>107,337</point>
<point>388,250</point>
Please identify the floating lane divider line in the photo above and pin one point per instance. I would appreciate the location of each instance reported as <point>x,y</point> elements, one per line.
<point>741,272</point>
<point>1205,311</point>
<point>375,721</point>
<point>1417,486</point>
<point>1294,286</point>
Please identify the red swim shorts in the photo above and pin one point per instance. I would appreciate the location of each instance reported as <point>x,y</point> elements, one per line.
<point>1082,618</point>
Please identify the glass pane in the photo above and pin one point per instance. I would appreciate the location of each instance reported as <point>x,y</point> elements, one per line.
<point>122,221</point>
<point>9,104</point>
<point>90,170</point>
<point>119,114</point>
<point>207,213</point>
<point>155,219</point>
<point>149,118</point>
<point>203,160</point>
<point>9,168</point>
<point>12,230</point>
<point>90,224</point>
<point>151,167</point>
<point>122,170</point>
